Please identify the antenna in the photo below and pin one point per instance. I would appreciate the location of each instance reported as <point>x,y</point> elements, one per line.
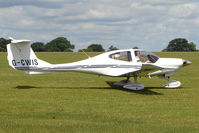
<point>85,53</point>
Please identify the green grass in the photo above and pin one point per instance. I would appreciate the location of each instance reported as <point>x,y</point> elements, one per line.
<point>83,103</point>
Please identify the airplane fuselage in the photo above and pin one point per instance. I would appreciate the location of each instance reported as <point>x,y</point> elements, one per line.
<point>119,63</point>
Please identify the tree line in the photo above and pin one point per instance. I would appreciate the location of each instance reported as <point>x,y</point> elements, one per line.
<point>59,44</point>
<point>180,44</point>
<point>62,44</point>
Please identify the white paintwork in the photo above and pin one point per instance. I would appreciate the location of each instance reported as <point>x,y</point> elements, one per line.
<point>21,57</point>
<point>134,86</point>
<point>169,63</point>
<point>173,84</point>
<point>130,85</point>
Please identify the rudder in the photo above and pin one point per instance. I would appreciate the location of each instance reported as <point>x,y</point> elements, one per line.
<point>21,56</point>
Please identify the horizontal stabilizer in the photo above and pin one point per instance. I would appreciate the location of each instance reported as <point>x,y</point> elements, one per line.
<point>33,72</point>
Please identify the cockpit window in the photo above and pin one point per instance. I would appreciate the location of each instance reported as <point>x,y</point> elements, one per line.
<point>124,56</point>
<point>146,57</point>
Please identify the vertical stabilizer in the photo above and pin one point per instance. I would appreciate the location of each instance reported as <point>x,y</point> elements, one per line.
<point>21,56</point>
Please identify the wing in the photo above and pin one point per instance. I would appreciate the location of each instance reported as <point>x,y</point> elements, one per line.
<point>152,70</point>
<point>122,72</point>
<point>148,68</point>
<point>115,70</point>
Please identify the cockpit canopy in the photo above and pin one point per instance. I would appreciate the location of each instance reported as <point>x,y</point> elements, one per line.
<point>123,55</point>
<point>146,57</point>
<point>141,56</point>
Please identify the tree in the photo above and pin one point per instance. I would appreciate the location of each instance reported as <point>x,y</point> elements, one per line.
<point>38,47</point>
<point>192,46</point>
<point>59,44</point>
<point>112,48</point>
<point>3,43</point>
<point>93,48</point>
<point>135,47</point>
<point>96,48</point>
<point>180,44</point>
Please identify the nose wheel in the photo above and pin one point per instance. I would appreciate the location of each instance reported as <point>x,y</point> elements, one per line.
<point>172,83</point>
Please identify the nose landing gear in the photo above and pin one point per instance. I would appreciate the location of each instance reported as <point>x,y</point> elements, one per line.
<point>172,83</point>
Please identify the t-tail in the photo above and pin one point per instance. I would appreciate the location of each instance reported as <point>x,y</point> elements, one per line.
<point>21,57</point>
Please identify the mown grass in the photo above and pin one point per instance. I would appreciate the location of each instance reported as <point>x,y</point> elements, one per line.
<point>83,103</point>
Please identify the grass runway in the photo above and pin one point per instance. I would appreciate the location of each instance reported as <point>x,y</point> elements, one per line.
<point>84,103</point>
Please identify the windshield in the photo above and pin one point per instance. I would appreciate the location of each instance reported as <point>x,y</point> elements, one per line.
<point>146,57</point>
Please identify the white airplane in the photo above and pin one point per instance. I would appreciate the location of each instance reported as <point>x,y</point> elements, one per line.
<point>119,63</point>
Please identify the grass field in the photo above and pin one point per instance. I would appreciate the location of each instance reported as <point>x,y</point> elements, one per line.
<point>83,103</point>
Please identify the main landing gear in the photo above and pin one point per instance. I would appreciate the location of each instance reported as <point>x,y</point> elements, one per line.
<point>128,84</point>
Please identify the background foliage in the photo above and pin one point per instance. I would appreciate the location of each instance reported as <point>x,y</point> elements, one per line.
<point>180,44</point>
<point>62,44</point>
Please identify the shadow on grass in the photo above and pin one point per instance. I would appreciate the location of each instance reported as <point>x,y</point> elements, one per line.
<point>25,87</point>
<point>53,87</point>
<point>146,91</point>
